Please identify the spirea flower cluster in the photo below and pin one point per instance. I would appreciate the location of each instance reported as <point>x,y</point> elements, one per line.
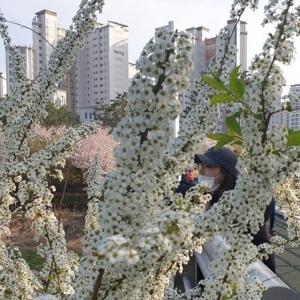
<point>139,232</point>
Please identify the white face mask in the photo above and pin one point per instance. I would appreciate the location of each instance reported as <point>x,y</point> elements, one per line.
<point>206,181</point>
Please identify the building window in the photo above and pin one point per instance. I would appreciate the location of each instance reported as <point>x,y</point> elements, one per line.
<point>119,52</point>
<point>85,115</point>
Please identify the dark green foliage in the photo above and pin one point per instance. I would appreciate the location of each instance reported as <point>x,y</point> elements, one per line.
<point>59,116</point>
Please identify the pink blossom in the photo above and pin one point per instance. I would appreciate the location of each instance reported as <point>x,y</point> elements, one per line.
<point>100,144</point>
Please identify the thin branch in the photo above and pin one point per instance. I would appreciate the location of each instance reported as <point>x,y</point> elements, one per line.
<point>38,33</point>
<point>49,276</point>
<point>265,80</point>
<point>54,263</point>
<point>170,267</point>
<point>63,195</point>
<point>119,281</point>
<point>41,98</point>
<point>37,76</point>
<point>98,284</point>
<point>229,39</point>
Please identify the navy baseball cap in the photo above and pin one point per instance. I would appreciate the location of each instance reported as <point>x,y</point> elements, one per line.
<point>223,158</point>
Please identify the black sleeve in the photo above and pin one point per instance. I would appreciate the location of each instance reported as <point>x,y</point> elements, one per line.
<point>262,236</point>
<point>183,187</point>
<point>268,210</point>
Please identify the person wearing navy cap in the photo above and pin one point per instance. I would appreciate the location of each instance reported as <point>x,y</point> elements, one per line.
<point>219,165</point>
<point>217,171</point>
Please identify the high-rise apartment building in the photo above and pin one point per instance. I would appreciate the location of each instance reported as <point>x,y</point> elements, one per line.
<point>27,54</point>
<point>100,69</point>
<point>206,48</point>
<point>3,86</point>
<point>131,71</point>
<point>292,119</point>
<point>46,34</point>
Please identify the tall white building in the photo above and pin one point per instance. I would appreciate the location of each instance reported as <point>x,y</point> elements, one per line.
<point>292,119</point>
<point>238,38</point>
<point>60,98</point>
<point>131,71</point>
<point>277,118</point>
<point>199,38</point>
<point>3,86</point>
<point>27,53</point>
<point>285,118</point>
<point>101,69</point>
<point>174,124</point>
<point>205,48</point>
<point>46,34</point>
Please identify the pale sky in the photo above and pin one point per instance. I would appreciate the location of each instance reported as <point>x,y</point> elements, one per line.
<point>143,16</point>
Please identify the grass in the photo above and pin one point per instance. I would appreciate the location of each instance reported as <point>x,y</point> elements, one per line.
<point>34,261</point>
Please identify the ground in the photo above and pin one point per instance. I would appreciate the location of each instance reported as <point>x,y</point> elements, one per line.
<point>287,263</point>
<point>22,235</point>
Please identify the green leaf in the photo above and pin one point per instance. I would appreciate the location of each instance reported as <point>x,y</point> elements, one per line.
<point>289,107</point>
<point>214,82</point>
<point>218,136</point>
<point>237,114</point>
<point>222,138</point>
<point>294,138</point>
<point>215,75</point>
<point>222,98</point>
<point>233,125</point>
<point>237,86</point>
<point>237,142</point>
<point>235,72</point>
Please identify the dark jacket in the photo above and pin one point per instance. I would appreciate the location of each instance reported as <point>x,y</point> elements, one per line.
<point>262,236</point>
<point>184,186</point>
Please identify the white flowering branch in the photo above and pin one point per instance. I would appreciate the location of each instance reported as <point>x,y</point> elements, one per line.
<point>138,231</point>
<point>24,176</point>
